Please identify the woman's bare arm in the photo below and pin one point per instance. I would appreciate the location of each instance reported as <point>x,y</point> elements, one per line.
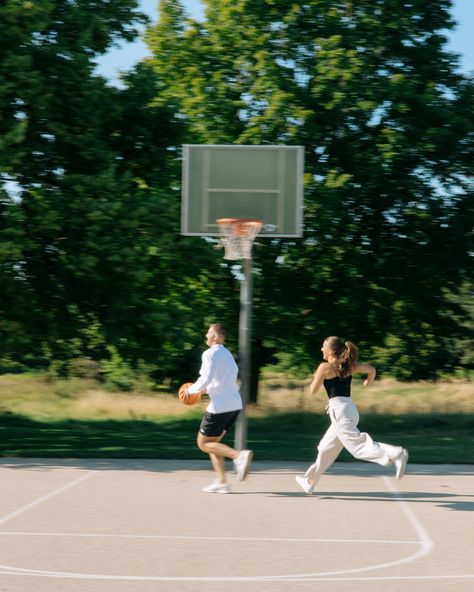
<point>365,369</point>
<point>318,378</point>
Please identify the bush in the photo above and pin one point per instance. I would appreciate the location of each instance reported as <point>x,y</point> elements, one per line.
<point>9,366</point>
<point>116,373</point>
<point>84,368</point>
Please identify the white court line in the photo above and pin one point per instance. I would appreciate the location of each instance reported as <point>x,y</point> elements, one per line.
<point>424,541</point>
<point>44,498</point>
<point>204,538</point>
<point>387,578</point>
<point>67,575</point>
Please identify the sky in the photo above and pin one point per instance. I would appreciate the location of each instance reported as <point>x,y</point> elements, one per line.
<point>125,57</point>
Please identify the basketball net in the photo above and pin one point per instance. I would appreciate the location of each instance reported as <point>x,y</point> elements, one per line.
<point>237,236</point>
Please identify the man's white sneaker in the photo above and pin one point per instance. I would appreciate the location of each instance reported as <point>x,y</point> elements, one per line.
<point>400,463</point>
<point>242,464</point>
<point>304,483</point>
<point>217,487</point>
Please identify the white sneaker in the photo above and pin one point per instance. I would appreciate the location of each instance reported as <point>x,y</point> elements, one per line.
<point>305,485</point>
<point>217,487</point>
<point>400,463</point>
<point>242,464</point>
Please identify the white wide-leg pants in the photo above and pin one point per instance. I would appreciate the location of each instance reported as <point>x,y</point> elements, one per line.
<point>344,433</point>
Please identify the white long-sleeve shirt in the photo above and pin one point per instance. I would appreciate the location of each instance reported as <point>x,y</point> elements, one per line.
<point>218,376</point>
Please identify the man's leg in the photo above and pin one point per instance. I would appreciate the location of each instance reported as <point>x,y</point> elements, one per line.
<point>210,443</point>
<point>217,452</point>
<point>218,464</point>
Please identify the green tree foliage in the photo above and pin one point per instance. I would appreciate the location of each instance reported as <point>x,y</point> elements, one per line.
<point>56,119</point>
<point>386,120</point>
<point>92,264</point>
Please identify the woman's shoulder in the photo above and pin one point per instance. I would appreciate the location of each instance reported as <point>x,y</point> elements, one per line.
<point>323,365</point>
<point>325,369</point>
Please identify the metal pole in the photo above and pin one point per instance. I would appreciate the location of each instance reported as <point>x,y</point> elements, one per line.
<point>245,336</point>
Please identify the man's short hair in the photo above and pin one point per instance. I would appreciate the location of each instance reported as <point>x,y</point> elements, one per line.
<point>219,329</point>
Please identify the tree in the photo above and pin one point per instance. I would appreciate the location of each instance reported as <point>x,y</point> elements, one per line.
<point>55,124</point>
<point>92,261</point>
<point>386,121</point>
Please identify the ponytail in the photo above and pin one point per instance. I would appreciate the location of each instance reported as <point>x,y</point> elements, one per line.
<point>348,358</point>
<point>346,353</point>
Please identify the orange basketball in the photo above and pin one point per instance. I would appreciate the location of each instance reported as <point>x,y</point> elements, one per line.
<point>190,399</point>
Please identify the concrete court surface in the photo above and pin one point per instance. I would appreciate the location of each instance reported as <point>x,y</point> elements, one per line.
<point>91,525</point>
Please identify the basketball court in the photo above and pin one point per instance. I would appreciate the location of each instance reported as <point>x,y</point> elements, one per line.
<point>93,525</point>
<point>121,525</point>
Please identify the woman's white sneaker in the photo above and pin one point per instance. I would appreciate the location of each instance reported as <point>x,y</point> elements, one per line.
<point>400,463</point>
<point>304,483</point>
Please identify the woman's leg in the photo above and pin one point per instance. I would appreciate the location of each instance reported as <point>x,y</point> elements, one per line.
<point>329,449</point>
<point>360,444</point>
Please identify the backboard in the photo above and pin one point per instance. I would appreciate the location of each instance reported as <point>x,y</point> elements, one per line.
<point>238,181</point>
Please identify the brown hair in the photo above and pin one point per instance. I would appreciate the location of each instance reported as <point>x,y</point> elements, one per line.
<point>346,353</point>
<point>219,329</point>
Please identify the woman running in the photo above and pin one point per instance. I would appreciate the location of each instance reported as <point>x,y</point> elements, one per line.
<point>336,376</point>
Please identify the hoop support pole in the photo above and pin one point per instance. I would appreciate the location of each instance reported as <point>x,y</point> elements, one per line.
<point>245,340</point>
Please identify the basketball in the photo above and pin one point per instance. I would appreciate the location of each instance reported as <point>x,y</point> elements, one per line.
<point>190,399</point>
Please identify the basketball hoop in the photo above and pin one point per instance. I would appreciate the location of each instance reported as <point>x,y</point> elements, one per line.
<point>237,236</point>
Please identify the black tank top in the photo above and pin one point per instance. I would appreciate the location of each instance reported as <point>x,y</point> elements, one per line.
<point>338,387</point>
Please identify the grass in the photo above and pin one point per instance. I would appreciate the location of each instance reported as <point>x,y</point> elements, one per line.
<point>75,418</point>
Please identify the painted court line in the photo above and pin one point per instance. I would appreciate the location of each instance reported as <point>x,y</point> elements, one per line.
<point>59,575</point>
<point>424,542</point>
<point>380,578</point>
<point>203,538</point>
<point>46,497</point>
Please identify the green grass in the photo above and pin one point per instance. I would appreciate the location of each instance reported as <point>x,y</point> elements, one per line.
<point>429,438</point>
<point>76,419</point>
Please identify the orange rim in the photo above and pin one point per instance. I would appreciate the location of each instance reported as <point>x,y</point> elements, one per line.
<point>241,226</point>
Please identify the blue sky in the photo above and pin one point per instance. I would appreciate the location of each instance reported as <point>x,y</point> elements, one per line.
<point>123,58</point>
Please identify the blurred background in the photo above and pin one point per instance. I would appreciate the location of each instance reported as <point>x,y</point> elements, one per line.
<point>96,100</point>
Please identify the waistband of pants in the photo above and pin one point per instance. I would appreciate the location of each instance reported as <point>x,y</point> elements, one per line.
<point>339,400</point>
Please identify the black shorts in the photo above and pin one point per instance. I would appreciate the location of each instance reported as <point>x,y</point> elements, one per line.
<point>214,424</point>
